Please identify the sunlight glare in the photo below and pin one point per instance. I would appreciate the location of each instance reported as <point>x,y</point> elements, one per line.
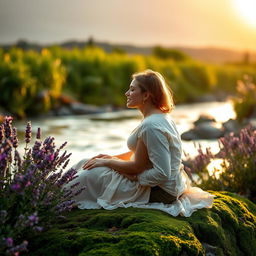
<point>247,8</point>
<point>215,167</point>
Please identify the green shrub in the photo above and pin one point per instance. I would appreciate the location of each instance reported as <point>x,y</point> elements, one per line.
<point>245,101</point>
<point>237,172</point>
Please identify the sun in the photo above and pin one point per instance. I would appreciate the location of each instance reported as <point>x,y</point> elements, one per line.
<point>247,8</point>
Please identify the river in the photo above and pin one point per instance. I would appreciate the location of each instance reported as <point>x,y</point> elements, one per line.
<point>88,135</point>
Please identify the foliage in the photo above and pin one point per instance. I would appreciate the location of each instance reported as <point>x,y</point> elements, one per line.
<point>165,53</point>
<point>30,82</point>
<point>245,101</point>
<point>30,188</point>
<point>238,167</point>
<point>36,79</point>
<point>133,231</point>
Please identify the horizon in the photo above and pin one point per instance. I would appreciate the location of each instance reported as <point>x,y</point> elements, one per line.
<point>132,44</point>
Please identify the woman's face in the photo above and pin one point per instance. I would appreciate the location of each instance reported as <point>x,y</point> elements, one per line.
<point>134,95</point>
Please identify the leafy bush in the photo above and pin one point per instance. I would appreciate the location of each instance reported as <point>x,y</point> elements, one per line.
<point>36,79</point>
<point>30,82</point>
<point>165,53</point>
<point>245,101</point>
<point>30,187</point>
<point>238,165</point>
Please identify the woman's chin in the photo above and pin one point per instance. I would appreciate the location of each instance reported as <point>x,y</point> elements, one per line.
<point>129,105</point>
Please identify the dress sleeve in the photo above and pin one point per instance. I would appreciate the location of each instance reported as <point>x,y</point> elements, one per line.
<point>157,144</point>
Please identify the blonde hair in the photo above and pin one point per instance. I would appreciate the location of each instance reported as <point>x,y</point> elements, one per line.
<point>154,83</point>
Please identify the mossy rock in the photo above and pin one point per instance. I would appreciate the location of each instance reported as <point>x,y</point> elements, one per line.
<point>228,228</point>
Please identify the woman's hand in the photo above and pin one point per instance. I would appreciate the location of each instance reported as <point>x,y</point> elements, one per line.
<point>105,156</point>
<point>95,162</point>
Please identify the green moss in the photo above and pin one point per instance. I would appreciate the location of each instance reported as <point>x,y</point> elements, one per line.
<point>228,227</point>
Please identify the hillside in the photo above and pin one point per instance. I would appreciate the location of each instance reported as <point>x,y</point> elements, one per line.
<point>207,54</point>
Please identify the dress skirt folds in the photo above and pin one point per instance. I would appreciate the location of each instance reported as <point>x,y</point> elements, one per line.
<point>105,188</point>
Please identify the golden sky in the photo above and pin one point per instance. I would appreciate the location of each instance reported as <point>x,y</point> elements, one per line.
<point>196,23</point>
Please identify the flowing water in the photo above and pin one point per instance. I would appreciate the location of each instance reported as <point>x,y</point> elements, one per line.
<point>88,135</point>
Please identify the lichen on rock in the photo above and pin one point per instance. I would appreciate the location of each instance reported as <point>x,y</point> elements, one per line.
<point>228,228</point>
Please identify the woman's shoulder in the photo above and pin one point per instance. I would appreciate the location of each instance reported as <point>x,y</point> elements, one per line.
<point>155,119</point>
<point>158,121</point>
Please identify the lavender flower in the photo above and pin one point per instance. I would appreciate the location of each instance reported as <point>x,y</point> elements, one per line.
<point>32,219</point>
<point>38,228</point>
<point>38,134</point>
<point>8,127</point>
<point>36,153</point>
<point>1,133</point>
<point>34,181</point>
<point>15,141</point>
<point>65,206</point>
<point>17,249</point>
<point>28,132</point>
<point>63,145</point>
<point>237,172</point>
<point>17,188</point>
<point>9,242</point>
<point>79,191</point>
<point>17,159</point>
<point>67,177</point>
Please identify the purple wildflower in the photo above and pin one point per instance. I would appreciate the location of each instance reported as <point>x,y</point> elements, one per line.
<point>38,228</point>
<point>9,242</point>
<point>38,134</point>
<point>17,188</point>
<point>36,153</point>
<point>17,249</point>
<point>17,159</point>
<point>15,141</point>
<point>1,133</point>
<point>63,145</point>
<point>78,192</point>
<point>65,164</point>
<point>8,127</point>
<point>32,220</point>
<point>67,177</point>
<point>28,132</point>
<point>65,206</point>
<point>74,185</point>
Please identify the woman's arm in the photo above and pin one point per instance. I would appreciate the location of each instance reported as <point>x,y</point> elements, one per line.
<point>124,156</point>
<point>138,165</point>
<point>158,145</point>
<point>135,166</point>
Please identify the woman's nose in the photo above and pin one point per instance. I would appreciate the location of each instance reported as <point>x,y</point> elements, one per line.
<point>126,94</point>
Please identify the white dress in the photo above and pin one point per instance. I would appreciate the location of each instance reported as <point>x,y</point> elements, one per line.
<point>108,189</point>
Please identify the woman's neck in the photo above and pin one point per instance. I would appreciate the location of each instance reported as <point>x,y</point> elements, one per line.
<point>148,110</point>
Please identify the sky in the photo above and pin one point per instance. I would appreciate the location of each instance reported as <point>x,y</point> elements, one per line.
<point>192,23</point>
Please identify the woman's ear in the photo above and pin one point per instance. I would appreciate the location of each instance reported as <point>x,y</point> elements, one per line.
<point>146,96</point>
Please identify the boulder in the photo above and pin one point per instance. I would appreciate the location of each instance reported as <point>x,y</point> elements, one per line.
<point>208,130</point>
<point>189,135</point>
<point>228,228</point>
<point>63,111</point>
<point>232,125</point>
<point>203,131</point>
<point>203,119</point>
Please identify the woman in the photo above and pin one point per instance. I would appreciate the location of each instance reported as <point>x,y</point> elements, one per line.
<point>151,174</point>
